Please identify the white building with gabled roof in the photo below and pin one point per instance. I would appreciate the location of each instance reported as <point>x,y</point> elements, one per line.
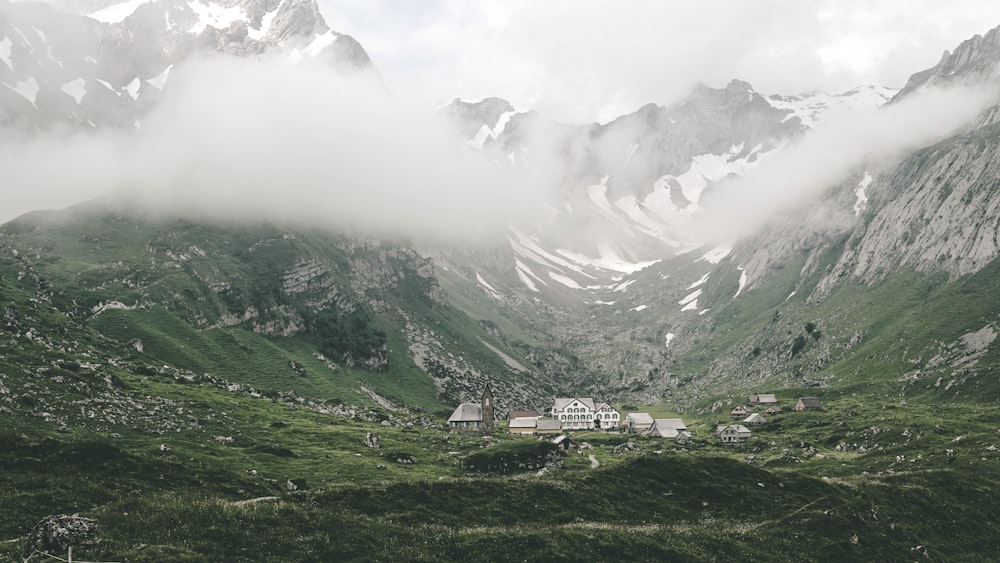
<point>574,413</point>
<point>670,428</point>
<point>606,417</point>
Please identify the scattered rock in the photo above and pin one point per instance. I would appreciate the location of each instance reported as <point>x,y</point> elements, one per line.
<point>401,457</point>
<point>59,533</point>
<point>296,485</point>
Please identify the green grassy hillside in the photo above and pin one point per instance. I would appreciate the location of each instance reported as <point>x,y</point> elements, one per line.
<point>136,390</point>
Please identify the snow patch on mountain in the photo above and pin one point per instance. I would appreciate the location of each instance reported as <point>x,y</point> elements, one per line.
<point>859,193</point>
<point>716,255</point>
<point>6,48</point>
<point>321,42</point>
<point>215,15</point>
<point>529,248</point>
<point>639,308</point>
<point>668,339</point>
<point>265,25</point>
<point>700,281</point>
<point>133,88</point>
<point>743,281</point>
<point>160,79</point>
<point>607,259</point>
<point>108,85</point>
<point>623,286</point>
<point>526,276</point>
<point>707,168</point>
<point>486,132</point>
<point>502,123</point>
<point>568,282</point>
<point>521,266</point>
<point>489,288</point>
<point>704,170</point>
<point>75,88</point>
<point>27,88</point>
<point>810,109</point>
<point>690,302</point>
<point>116,13</point>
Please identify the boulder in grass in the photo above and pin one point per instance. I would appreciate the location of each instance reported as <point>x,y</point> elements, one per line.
<point>59,533</point>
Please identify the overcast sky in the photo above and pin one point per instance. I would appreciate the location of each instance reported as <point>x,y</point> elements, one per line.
<point>585,60</point>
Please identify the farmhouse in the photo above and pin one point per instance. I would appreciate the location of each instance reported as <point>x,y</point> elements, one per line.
<point>772,411</point>
<point>670,428</point>
<point>474,418</point>
<point>763,399</point>
<point>638,422</point>
<point>739,412</point>
<point>734,434</point>
<point>547,426</point>
<point>808,404</point>
<point>755,419</point>
<point>523,425</point>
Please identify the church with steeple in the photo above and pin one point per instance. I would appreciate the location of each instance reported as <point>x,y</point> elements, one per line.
<point>475,418</point>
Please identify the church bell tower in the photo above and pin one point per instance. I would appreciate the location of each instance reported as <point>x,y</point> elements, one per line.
<point>488,410</point>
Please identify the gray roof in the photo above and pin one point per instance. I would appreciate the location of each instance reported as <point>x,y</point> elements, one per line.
<point>664,423</point>
<point>755,417</point>
<point>640,417</point>
<point>523,422</point>
<point>562,402</point>
<point>738,428</point>
<point>767,398</point>
<point>546,424</point>
<point>810,401</point>
<point>467,412</point>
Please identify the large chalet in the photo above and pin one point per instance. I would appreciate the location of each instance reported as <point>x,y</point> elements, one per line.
<point>584,414</point>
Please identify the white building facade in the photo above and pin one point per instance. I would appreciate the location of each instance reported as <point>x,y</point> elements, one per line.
<point>575,413</point>
<point>606,417</point>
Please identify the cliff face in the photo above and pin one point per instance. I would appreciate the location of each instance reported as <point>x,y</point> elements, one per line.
<point>936,212</point>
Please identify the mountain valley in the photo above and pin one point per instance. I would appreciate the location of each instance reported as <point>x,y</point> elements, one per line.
<point>211,387</point>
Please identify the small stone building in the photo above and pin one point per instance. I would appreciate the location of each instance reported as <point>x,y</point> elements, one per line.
<point>734,434</point>
<point>474,418</point>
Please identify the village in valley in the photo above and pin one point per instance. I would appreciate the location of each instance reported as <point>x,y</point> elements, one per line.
<point>569,414</point>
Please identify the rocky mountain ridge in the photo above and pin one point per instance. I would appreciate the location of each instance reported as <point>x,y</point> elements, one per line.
<point>611,292</point>
<point>108,67</point>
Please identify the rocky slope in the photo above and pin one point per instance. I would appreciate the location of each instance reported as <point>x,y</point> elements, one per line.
<point>338,308</point>
<point>671,324</point>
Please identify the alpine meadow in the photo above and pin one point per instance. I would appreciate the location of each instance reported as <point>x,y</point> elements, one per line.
<point>261,301</point>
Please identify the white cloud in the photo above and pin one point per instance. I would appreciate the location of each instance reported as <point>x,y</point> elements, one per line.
<point>594,60</point>
<point>247,140</point>
<point>839,145</point>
